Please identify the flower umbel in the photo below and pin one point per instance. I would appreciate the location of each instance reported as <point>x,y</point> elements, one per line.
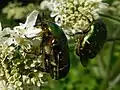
<point>20,58</point>
<point>76,15</point>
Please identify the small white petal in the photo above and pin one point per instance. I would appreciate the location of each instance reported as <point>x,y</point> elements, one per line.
<point>0,26</point>
<point>32,32</point>
<point>103,5</point>
<point>53,14</point>
<point>46,5</point>
<point>58,20</point>
<point>31,19</point>
<point>22,25</point>
<point>10,41</point>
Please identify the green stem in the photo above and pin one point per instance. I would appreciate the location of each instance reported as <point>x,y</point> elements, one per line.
<point>105,84</point>
<point>101,65</point>
<point>115,70</point>
<point>102,60</point>
<point>114,82</point>
<point>110,17</point>
<point>113,39</point>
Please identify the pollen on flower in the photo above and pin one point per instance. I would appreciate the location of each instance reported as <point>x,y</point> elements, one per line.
<point>76,14</point>
<point>20,56</point>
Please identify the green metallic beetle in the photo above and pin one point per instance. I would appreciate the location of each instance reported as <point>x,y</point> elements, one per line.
<point>90,45</point>
<point>54,46</point>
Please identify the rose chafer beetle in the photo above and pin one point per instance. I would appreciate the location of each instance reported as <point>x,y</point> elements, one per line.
<point>54,47</point>
<point>89,45</point>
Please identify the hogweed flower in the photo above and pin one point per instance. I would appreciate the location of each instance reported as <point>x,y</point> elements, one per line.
<point>20,57</point>
<point>76,15</point>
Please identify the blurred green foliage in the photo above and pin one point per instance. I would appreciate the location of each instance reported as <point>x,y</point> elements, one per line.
<point>102,73</point>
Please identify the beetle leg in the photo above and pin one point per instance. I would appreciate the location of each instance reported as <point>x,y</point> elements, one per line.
<point>47,63</point>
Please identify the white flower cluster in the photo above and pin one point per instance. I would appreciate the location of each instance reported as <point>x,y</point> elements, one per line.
<point>76,15</point>
<point>20,57</point>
